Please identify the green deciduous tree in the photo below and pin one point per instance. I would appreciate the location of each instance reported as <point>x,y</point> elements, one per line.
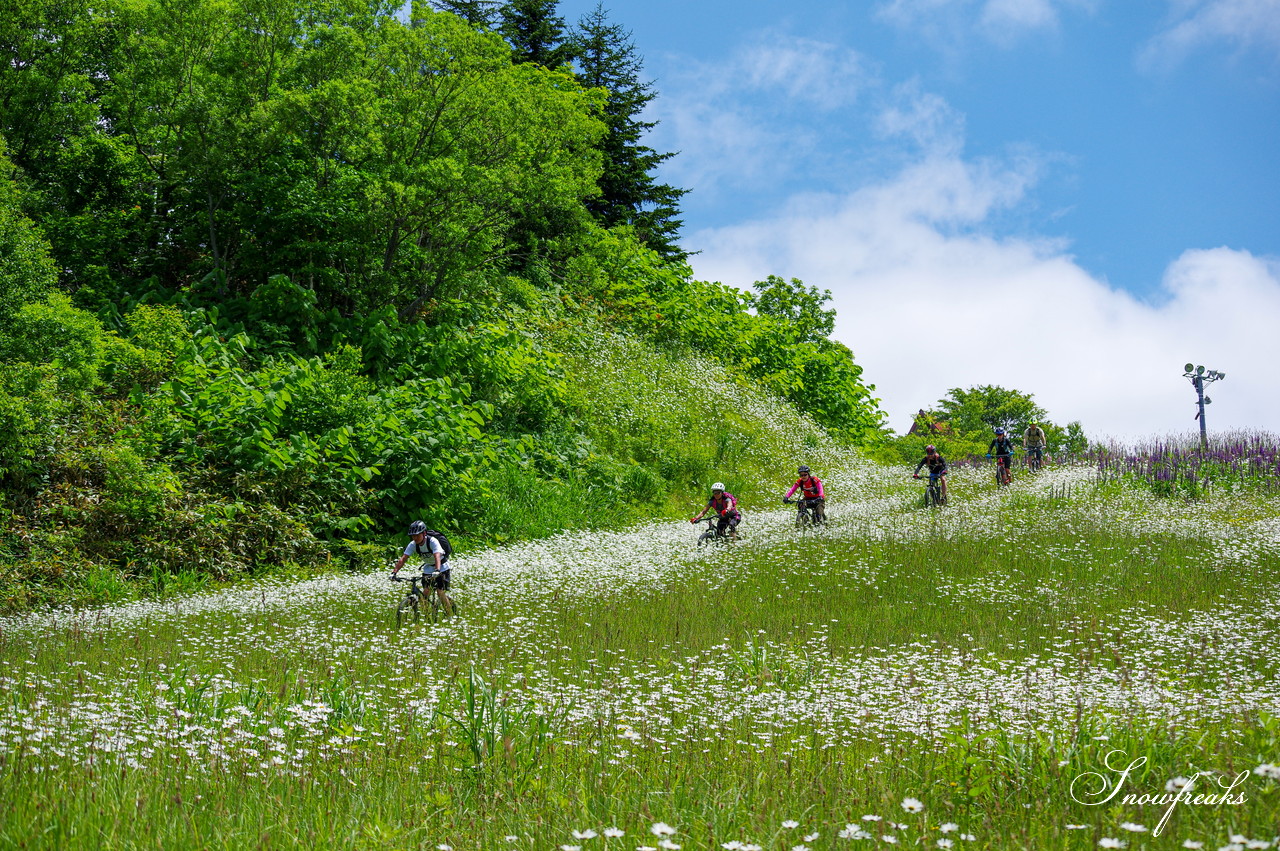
<point>53,61</point>
<point>373,163</point>
<point>980,410</point>
<point>799,307</point>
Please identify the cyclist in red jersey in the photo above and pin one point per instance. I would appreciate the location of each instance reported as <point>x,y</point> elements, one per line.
<point>811,490</point>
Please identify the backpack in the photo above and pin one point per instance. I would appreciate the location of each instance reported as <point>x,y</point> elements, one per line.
<point>444,544</point>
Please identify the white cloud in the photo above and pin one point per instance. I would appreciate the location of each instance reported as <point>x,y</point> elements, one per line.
<point>755,116</point>
<point>1194,24</point>
<point>925,118</point>
<point>1001,22</point>
<point>929,300</point>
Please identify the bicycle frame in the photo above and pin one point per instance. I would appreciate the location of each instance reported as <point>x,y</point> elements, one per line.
<point>1004,470</point>
<point>712,533</point>
<point>418,595</point>
<point>806,511</point>
<point>933,491</point>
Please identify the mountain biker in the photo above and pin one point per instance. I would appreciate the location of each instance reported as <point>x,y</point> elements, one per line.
<point>811,491</point>
<point>1003,447</point>
<point>1034,442</point>
<point>937,468</point>
<point>432,554</point>
<point>724,504</point>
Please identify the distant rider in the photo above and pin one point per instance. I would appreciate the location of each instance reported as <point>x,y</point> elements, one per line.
<point>810,487</point>
<point>1002,446</point>
<point>432,555</point>
<point>725,505</point>
<point>1034,441</point>
<point>937,468</point>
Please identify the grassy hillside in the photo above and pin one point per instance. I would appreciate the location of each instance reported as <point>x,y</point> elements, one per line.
<point>977,676</point>
<point>180,454</point>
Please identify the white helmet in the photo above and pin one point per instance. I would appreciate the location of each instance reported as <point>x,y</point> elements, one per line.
<point>718,486</point>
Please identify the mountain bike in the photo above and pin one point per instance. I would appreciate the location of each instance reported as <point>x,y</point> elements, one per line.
<point>712,534</point>
<point>1004,470</point>
<point>933,496</point>
<point>1035,458</point>
<point>420,596</point>
<point>808,512</point>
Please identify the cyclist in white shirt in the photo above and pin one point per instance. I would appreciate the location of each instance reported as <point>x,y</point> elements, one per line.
<point>433,557</point>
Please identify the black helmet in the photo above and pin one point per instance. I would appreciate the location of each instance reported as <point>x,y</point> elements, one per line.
<point>417,527</point>
<point>804,468</point>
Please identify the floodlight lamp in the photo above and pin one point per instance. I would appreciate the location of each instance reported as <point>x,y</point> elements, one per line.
<point>1189,367</point>
<point>1200,370</point>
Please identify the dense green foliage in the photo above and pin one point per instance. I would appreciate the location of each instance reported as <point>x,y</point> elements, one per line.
<point>26,270</point>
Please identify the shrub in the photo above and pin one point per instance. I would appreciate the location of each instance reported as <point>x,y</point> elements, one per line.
<point>158,333</point>
<point>135,492</point>
<point>56,333</point>
<point>29,404</point>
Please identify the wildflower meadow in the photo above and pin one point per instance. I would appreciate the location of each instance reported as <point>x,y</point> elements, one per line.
<point>1075,661</point>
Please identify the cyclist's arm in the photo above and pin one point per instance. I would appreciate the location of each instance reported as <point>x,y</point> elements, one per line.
<point>923,461</point>
<point>822,493</point>
<point>399,564</point>
<point>793,490</point>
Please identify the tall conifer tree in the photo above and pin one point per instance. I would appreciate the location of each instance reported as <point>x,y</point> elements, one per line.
<point>479,13</point>
<point>535,32</point>
<point>630,193</point>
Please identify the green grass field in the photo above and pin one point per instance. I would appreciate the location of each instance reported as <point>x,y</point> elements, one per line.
<point>980,676</point>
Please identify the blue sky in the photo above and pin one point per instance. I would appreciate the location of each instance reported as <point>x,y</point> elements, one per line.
<point>1068,197</point>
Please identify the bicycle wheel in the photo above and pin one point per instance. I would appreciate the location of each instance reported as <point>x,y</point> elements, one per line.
<point>409,603</point>
<point>435,606</point>
<point>707,538</point>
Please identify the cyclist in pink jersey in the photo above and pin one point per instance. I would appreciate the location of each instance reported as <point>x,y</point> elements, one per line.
<point>812,492</point>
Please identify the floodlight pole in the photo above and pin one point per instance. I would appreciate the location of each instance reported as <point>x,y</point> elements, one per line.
<point>1199,378</point>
